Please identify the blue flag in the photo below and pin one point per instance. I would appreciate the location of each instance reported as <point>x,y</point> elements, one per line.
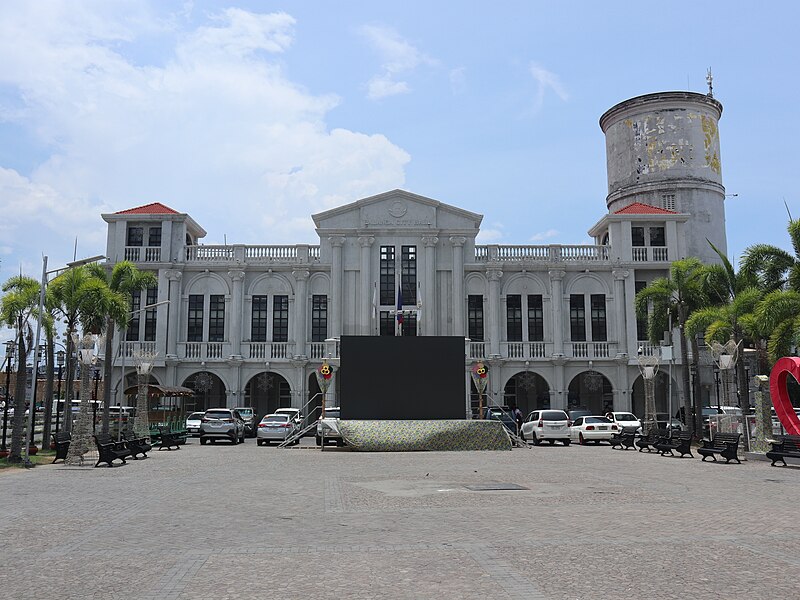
<point>400,304</point>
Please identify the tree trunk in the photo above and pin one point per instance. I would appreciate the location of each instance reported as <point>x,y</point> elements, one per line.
<point>48,394</point>
<point>70,379</point>
<point>743,385</point>
<point>698,400</point>
<point>107,371</point>
<point>687,400</point>
<point>18,423</point>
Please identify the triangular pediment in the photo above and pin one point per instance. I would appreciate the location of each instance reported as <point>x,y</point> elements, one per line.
<point>397,209</point>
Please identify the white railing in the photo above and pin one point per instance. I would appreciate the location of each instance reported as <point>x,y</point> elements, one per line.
<point>209,253</point>
<point>639,254</point>
<point>317,350</point>
<point>519,253</point>
<point>660,254</point>
<point>129,348</point>
<point>270,350</point>
<point>645,348</point>
<point>203,350</point>
<point>592,349</point>
<point>271,253</point>
<point>580,349</point>
<point>537,350</point>
<point>477,349</point>
<point>143,253</point>
<point>524,349</point>
<point>313,253</point>
<point>546,253</point>
<point>600,349</point>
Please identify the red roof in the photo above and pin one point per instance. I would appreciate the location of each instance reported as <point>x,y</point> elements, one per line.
<point>637,208</point>
<point>156,208</point>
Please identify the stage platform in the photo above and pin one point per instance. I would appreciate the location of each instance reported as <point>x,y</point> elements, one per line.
<point>416,436</point>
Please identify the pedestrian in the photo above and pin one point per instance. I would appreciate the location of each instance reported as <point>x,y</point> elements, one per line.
<point>518,418</point>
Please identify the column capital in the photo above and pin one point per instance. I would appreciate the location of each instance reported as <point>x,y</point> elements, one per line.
<point>337,241</point>
<point>494,274</point>
<point>301,274</point>
<point>458,241</point>
<point>236,274</point>
<point>365,241</point>
<point>557,275</point>
<point>620,274</point>
<point>429,241</point>
<point>173,275</point>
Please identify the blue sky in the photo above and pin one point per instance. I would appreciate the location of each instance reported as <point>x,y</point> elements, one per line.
<point>251,116</point>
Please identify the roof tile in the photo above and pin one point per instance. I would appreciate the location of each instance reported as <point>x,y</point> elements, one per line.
<point>638,208</point>
<point>155,208</point>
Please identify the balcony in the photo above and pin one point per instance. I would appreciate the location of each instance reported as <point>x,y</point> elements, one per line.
<point>524,350</point>
<point>649,254</point>
<point>590,349</point>
<point>254,255</point>
<point>204,350</point>
<point>268,350</point>
<point>548,253</point>
<point>143,253</point>
<point>128,349</point>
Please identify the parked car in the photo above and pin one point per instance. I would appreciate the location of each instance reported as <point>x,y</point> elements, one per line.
<point>193,423</point>
<point>579,412</point>
<point>326,427</point>
<point>625,419</point>
<point>248,415</point>
<point>221,424</point>
<point>550,425</point>
<point>294,413</point>
<point>663,418</point>
<point>503,415</point>
<point>276,427</point>
<point>593,429</point>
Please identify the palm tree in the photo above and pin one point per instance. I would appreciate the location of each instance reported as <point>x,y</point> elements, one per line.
<point>124,279</point>
<point>672,299</point>
<point>48,323</point>
<point>18,306</point>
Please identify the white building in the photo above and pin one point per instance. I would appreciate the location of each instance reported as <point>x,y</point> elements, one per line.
<point>554,322</point>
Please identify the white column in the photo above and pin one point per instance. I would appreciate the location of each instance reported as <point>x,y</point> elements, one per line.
<point>237,278</point>
<point>337,275</point>
<point>458,285</point>
<point>366,326</point>
<point>300,312</point>
<point>429,281</point>
<point>556,278</point>
<point>494,276</point>
<point>619,303</point>
<point>173,313</point>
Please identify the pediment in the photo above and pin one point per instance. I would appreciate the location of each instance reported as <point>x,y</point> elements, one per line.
<point>397,209</point>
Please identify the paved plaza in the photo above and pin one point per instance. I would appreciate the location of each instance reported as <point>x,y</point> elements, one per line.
<point>231,522</point>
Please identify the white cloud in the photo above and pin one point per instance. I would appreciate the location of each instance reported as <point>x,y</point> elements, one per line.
<point>400,58</point>
<point>217,130</point>
<point>544,235</point>
<point>546,80</point>
<point>490,235</point>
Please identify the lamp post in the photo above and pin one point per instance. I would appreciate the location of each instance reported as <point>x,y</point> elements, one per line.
<point>725,356</point>
<point>10,346</point>
<point>60,355</point>
<point>80,442</point>
<point>648,366</point>
<point>96,370</point>
<point>716,383</point>
<point>144,364</point>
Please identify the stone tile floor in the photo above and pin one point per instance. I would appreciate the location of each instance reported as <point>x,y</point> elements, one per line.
<point>231,522</point>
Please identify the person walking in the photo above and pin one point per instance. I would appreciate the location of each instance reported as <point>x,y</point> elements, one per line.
<point>518,418</point>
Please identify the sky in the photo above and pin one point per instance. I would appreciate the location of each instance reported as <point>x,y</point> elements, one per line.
<point>252,115</point>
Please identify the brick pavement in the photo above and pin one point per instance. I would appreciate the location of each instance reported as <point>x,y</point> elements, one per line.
<point>224,522</point>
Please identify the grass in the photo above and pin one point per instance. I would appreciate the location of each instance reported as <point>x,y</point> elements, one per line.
<point>40,458</point>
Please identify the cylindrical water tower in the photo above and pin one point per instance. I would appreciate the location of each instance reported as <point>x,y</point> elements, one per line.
<point>663,150</point>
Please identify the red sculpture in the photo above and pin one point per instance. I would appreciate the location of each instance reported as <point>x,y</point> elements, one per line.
<point>788,365</point>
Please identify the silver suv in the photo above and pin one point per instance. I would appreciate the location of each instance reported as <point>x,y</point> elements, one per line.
<point>221,423</point>
<point>248,415</point>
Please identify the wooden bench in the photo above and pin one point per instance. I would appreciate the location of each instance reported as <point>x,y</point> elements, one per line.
<point>168,439</point>
<point>136,445</point>
<point>61,440</point>
<point>789,445</point>
<point>682,444</point>
<point>651,438</point>
<point>109,450</point>
<point>624,439</point>
<point>724,444</point>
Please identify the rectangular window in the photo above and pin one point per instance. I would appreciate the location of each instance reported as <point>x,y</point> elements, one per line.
<point>408,274</point>
<point>409,328</point>
<point>195,319</point>
<point>132,334</point>
<point>637,236</point>
<point>641,324</point>
<point>216,318</point>
<point>319,318</point>
<point>135,236</point>
<point>259,319</point>
<point>514,318</point>
<point>388,291</point>
<point>475,317</point>
<point>386,323</point>
<point>154,236</point>
<point>657,236</point>
<point>280,319</point>
<point>150,323</point>
<point>535,319</point>
<point>598,304</point>
<point>577,318</point>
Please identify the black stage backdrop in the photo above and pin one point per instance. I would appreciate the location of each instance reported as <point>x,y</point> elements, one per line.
<point>387,377</point>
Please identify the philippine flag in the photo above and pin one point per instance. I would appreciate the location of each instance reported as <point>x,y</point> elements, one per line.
<point>400,304</point>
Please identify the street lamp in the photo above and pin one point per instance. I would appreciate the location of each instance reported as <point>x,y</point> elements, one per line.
<point>648,366</point>
<point>80,443</point>
<point>60,355</point>
<point>144,364</point>
<point>10,347</point>
<point>725,356</point>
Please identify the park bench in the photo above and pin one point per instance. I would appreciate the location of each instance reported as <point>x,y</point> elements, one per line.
<point>624,439</point>
<point>169,439</point>
<point>789,445</point>
<point>61,441</point>
<point>682,444</point>
<point>651,438</point>
<point>136,445</point>
<point>724,444</point>
<point>110,450</point>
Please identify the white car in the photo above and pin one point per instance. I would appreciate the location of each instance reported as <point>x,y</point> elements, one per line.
<point>327,428</point>
<point>593,429</point>
<point>193,423</point>
<point>277,428</point>
<point>625,419</point>
<point>550,425</point>
<point>294,414</point>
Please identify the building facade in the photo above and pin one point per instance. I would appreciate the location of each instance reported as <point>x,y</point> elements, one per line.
<point>247,325</point>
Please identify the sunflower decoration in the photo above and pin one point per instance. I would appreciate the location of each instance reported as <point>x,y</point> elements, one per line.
<point>324,375</point>
<point>480,375</point>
